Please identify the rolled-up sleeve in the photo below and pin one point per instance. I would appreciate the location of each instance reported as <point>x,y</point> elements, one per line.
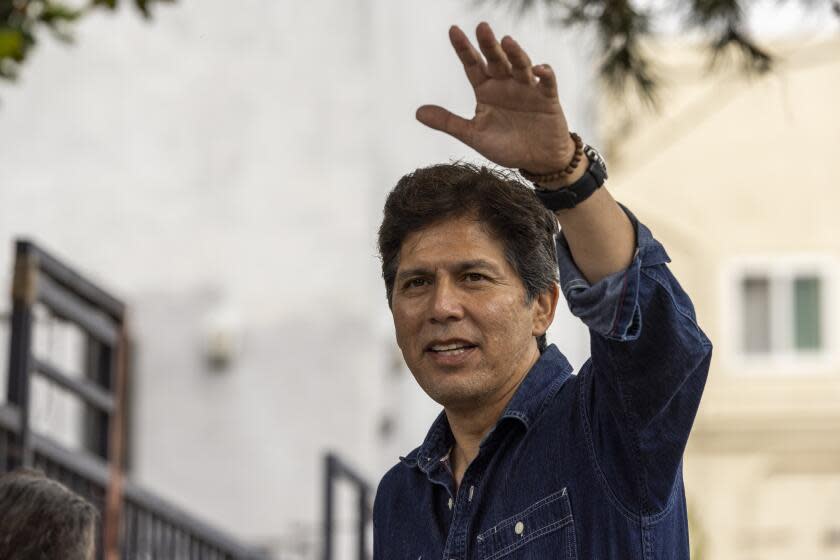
<point>611,306</point>
<point>642,386</point>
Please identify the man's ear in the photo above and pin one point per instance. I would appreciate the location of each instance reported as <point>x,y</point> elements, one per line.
<point>543,308</point>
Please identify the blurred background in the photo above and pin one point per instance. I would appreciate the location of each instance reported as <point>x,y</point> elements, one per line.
<point>221,167</point>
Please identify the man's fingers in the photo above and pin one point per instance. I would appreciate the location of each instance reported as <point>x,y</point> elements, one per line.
<point>445,121</point>
<point>520,63</point>
<point>548,83</point>
<point>468,55</point>
<point>498,65</point>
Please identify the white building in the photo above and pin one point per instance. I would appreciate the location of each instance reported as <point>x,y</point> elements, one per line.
<point>222,169</point>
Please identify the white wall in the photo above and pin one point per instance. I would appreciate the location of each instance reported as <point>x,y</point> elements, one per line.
<point>232,159</point>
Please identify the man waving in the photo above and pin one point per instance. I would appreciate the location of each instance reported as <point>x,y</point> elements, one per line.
<point>527,460</point>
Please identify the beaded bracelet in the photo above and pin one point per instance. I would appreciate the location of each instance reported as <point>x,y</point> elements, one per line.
<point>555,175</point>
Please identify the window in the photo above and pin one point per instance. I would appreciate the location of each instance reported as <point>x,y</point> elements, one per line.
<point>777,311</point>
<point>755,295</point>
<point>781,313</point>
<point>807,306</point>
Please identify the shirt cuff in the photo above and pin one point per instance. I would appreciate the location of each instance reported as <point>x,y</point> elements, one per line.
<point>610,307</point>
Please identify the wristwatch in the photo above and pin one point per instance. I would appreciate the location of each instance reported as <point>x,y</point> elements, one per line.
<point>572,195</point>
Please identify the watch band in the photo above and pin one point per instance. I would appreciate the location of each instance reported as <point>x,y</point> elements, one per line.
<point>572,195</point>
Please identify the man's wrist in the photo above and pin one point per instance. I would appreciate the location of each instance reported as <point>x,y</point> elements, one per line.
<point>566,191</point>
<point>552,172</point>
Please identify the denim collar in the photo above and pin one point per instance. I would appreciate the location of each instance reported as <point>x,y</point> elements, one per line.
<point>541,383</point>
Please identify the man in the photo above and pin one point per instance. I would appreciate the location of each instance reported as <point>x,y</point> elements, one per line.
<point>527,460</point>
<point>40,519</point>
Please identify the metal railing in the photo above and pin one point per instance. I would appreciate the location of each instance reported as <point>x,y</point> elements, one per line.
<point>150,528</point>
<point>137,525</point>
<point>335,470</point>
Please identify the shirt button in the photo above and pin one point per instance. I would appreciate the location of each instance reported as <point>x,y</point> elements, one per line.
<point>450,504</point>
<point>519,528</point>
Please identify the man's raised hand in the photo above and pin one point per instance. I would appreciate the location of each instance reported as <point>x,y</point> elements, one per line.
<point>518,119</point>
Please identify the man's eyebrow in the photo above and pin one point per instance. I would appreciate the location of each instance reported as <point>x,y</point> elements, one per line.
<point>477,263</point>
<point>410,272</point>
<point>460,266</point>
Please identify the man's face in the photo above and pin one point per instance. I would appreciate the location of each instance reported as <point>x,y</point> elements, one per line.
<point>460,315</point>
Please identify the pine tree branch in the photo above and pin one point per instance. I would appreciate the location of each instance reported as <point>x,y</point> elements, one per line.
<point>622,28</point>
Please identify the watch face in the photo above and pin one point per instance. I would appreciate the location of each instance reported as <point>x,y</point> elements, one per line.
<point>595,157</point>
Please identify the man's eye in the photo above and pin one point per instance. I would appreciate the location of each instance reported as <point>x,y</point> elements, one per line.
<point>475,277</point>
<point>415,283</point>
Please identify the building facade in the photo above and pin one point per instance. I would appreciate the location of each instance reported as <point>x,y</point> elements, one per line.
<point>737,177</point>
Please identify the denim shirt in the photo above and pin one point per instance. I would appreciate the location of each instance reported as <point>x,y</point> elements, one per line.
<point>585,466</point>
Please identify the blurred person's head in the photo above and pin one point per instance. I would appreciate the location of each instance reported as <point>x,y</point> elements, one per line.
<point>470,269</point>
<point>40,519</point>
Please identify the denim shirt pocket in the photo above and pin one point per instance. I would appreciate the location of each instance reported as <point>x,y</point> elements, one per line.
<point>543,530</point>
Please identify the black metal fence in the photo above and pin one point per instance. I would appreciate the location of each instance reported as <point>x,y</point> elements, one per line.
<point>149,527</point>
<point>336,470</point>
<point>137,525</point>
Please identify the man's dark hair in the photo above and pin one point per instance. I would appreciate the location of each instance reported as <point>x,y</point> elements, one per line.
<point>40,519</point>
<point>507,208</point>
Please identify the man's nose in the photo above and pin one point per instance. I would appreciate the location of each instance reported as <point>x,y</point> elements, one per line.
<point>446,302</point>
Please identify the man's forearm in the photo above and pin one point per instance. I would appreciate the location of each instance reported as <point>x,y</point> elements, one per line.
<point>600,235</point>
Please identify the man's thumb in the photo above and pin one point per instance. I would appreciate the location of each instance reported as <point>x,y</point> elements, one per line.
<point>439,118</point>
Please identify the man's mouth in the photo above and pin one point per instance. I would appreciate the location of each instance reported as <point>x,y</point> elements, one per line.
<point>451,348</point>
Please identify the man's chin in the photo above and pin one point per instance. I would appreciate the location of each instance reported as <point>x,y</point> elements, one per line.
<point>457,395</point>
